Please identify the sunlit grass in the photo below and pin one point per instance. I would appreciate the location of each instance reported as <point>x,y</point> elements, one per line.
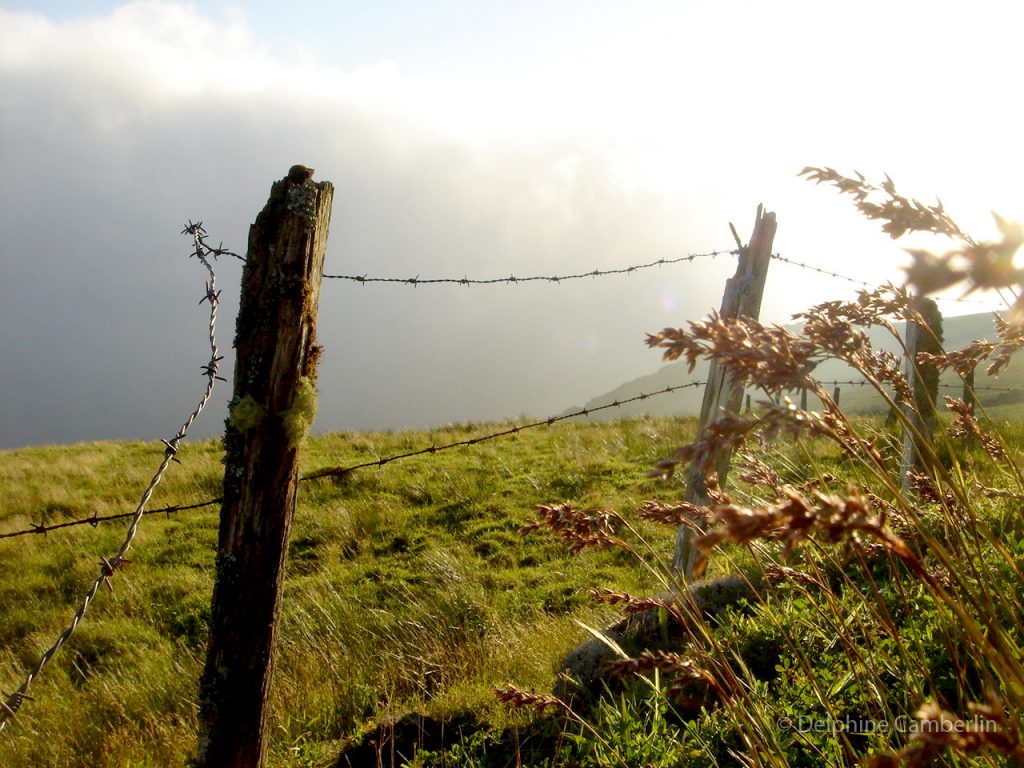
<point>409,589</point>
<point>408,586</point>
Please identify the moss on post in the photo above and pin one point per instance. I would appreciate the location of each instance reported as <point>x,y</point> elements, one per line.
<point>299,418</point>
<point>245,413</point>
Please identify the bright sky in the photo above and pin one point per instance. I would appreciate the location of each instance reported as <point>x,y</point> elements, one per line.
<point>465,138</point>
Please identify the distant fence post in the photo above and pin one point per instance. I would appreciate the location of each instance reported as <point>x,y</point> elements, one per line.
<point>923,379</point>
<point>970,396</point>
<point>742,298</point>
<point>273,405</point>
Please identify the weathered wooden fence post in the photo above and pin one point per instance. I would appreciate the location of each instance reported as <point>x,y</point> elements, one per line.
<point>919,430</point>
<point>273,406</point>
<point>742,297</point>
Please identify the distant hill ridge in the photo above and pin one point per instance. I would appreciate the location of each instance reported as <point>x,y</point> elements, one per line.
<point>958,332</point>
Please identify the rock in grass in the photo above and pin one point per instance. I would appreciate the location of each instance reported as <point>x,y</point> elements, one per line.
<point>582,678</point>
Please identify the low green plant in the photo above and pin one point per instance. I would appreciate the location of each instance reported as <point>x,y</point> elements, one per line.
<point>636,730</point>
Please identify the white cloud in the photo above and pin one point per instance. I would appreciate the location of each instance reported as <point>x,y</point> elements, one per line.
<point>114,153</point>
<point>148,46</point>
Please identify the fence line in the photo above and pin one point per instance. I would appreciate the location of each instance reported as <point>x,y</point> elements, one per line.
<point>95,520</point>
<point>512,279</point>
<point>11,703</point>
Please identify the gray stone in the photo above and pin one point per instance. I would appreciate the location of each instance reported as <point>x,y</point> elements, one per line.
<point>582,676</point>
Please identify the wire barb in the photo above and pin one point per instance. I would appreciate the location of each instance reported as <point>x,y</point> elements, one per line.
<point>12,703</point>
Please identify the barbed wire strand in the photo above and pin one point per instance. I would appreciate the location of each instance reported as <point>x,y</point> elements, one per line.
<point>109,566</point>
<point>43,529</point>
<point>512,279</point>
<point>865,283</point>
<point>95,520</point>
<point>414,281</point>
<point>341,471</point>
<point>819,270</point>
<point>980,388</point>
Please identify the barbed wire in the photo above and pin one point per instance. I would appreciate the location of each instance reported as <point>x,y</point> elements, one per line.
<point>337,471</point>
<point>341,471</point>
<point>38,528</point>
<point>819,270</point>
<point>512,279</point>
<point>11,703</point>
<point>95,520</point>
<point>982,388</point>
<point>977,388</point>
<point>220,250</point>
<point>865,283</point>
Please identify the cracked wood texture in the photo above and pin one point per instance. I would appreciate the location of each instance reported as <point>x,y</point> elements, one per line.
<point>273,393</point>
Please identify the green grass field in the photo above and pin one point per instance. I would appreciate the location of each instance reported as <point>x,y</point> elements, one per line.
<point>409,590</point>
<point>408,586</point>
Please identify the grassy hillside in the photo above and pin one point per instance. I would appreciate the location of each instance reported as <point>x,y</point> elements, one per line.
<point>409,589</point>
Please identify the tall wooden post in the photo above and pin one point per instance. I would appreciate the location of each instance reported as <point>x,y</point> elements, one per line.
<point>742,298</point>
<point>273,406</point>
